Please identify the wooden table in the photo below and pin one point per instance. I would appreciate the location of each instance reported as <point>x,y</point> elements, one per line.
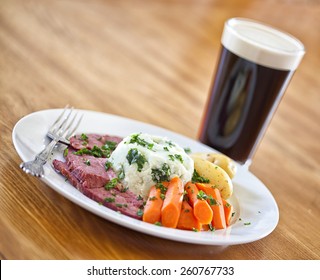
<point>151,61</point>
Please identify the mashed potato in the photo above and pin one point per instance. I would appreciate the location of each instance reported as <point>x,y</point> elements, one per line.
<point>142,160</point>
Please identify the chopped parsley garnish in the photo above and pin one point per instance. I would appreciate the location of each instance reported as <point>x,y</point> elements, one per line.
<point>83,151</point>
<point>87,162</point>
<point>95,151</point>
<point>212,201</point>
<point>107,165</point>
<point>84,137</point>
<point>196,178</point>
<point>140,212</point>
<point>161,174</point>
<point>202,195</point>
<point>110,145</point>
<point>170,143</point>
<point>111,184</point>
<point>176,156</point>
<point>211,228</point>
<point>121,173</point>
<point>134,156</point>
<point>104,151</point>
<point>162,187</point>
<point>65,152</point>
<point>136,139</point>
<point>179,157</point>
<point>187,150</point>
<point>109,199</point>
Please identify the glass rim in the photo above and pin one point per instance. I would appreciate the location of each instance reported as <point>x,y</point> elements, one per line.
<point>262,43</point>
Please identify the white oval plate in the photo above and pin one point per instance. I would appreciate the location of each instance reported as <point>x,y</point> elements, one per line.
<point>256,212</point>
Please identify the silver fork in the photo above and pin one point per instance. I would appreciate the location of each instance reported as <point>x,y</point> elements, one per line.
<point>60,131</point>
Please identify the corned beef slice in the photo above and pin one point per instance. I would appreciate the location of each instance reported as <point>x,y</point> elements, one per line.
<point>88,174</point>
<point>62,167</point>
<point>78,142</point>
<point>89,170</point>
<point>123,202</point>
<point>126,203</point>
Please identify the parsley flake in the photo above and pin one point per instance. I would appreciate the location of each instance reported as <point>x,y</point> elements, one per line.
<point>140,212</point>
<point>111,184</point>
<point>161,174</point>
<point>196,178</point>
<point>134,156</point>
<point>136,139</point>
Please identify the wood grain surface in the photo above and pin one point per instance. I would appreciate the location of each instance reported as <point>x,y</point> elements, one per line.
<point>151,61</point>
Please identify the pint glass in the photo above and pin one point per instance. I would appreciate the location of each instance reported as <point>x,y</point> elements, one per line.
<point>255,66</point>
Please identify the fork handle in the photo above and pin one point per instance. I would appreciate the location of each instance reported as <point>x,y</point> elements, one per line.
<point>44,155</point>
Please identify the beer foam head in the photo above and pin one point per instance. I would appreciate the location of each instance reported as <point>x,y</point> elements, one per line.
<point>262,44</point>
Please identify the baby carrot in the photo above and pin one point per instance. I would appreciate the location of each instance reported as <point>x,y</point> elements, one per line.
<point>228,208</point>
<point>215,201</point>
<point>201,209</point>
<point>171,208</point>
<point>187,220</point>
<point>152,209</point>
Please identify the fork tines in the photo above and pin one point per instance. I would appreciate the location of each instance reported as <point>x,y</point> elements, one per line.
<point>65,125</point>
<point>62,128</point>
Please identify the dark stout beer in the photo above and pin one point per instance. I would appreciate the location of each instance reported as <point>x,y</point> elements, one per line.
<point>240,105</point>
<point>245,93</point>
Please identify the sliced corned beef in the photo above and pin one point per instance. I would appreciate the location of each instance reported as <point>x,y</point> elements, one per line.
<point>90,140</point>
<point>124,202</point>
<point>62,167</point>
<point>89,170</point>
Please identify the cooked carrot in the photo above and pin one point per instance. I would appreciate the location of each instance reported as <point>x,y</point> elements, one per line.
<point>171,207</point>
<point>215,201</point>
<point>152,209</point>
<point>201,209</point>
<point>228,208</point>
<point>187,220</point>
